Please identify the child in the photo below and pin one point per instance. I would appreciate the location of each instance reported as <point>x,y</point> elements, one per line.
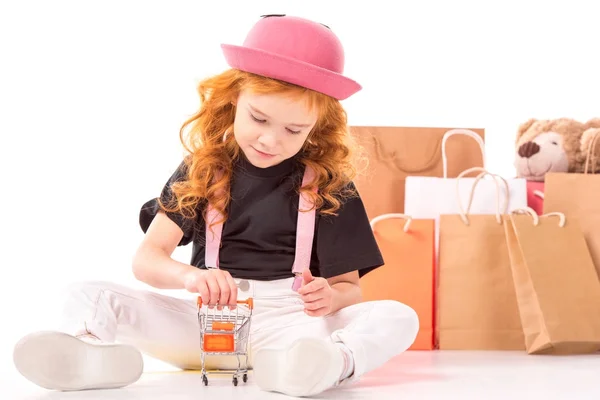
<point>267,200</point>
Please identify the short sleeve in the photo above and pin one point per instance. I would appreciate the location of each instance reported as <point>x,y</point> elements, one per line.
<point>346,242</point>
<point>152,207</point>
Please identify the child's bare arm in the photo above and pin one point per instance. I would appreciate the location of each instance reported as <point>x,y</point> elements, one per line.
<point>152,263</point>
<point>346,290</point>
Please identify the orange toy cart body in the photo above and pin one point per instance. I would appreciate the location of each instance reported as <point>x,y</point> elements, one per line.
<point>225,332</point>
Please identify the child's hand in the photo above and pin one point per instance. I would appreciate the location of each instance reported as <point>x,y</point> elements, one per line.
<point>316,294</point>
<point>215,286</point>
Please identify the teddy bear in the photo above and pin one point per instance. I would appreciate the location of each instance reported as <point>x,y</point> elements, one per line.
<point>554,145</point>
<point>551,145</point>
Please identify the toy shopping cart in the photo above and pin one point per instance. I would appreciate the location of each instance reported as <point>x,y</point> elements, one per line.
<point>225,332</point>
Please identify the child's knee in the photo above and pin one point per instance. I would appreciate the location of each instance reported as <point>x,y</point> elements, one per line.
<point>403,320</point>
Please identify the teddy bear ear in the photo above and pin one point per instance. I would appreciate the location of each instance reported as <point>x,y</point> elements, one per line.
<point>593,123</point>
<point>525,126</point>
<point>590,144</point>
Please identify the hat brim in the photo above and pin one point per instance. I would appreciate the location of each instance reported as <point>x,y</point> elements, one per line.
<point>287,69</point>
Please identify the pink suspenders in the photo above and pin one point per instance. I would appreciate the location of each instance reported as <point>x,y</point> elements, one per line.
<point>304,235</point>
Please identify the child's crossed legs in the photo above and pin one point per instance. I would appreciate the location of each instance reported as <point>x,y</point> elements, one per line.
<point>167,328</point>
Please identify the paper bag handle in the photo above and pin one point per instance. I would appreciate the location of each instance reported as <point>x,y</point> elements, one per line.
<point>453,132</point>
<point>590,154</point>
<point>408,219</point>
<point>506,197</point>
<point>483,173</point>
<point>536,217</point>
<point>464,214</point>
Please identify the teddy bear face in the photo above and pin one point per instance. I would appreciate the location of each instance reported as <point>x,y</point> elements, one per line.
<point>547,146</point>
<point>545,153</point>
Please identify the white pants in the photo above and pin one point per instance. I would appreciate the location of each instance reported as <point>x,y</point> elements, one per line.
<point>167,328</point>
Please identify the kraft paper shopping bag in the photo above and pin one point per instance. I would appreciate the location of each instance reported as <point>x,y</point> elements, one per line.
<point>557,289</point>
<point>408,273</point>
<point>477,307</point>
<point>395,152</point>
<point>577,195</point>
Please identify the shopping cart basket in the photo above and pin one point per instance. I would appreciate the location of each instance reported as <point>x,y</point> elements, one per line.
<point>225,332</point>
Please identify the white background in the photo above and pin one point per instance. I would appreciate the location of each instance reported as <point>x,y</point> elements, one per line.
<point>92,95</point>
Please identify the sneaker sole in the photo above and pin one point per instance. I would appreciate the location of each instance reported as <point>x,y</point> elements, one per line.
<point>57,361</point>
<point>304,369</point>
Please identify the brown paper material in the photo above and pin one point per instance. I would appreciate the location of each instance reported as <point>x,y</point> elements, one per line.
<point>578,197</point>
<point>477,308</point>
<point>556,285</point>
<point>396,152</point>
<point>477,303</point>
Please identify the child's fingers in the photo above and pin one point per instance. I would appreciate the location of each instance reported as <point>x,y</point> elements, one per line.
<point>313,296</point>
<point>315,305</point>
<point>224,291</point>
<point>215,292</point>
<point>233,293</point>
<point>202,289</point>
<point>316,313</point>
<point>311,287</point>
<point>307,276</point>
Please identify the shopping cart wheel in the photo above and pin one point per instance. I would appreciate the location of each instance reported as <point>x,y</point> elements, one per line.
<point>245,378</point>
<point>205,380</point>
<point>235,381</point>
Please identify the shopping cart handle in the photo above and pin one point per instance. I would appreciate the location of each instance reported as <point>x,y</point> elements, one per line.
<point>249,302</point>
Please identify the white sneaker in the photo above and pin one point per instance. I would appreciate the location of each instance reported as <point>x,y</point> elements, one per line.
<point>307,367</point>
<point>57,361</point>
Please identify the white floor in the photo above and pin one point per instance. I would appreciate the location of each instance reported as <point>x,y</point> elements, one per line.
<point>433,375</point>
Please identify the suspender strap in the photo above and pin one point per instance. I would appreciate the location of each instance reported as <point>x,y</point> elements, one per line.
<point>213,238</point>
<point>305,230</point>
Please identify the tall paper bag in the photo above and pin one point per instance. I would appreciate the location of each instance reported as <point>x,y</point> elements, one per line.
<point>557,289</point>
<point>477,305</point>
<point>577,195</point>
<point>408,273</point>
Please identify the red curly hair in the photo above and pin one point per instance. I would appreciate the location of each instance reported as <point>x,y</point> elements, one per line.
<point>329,149</point>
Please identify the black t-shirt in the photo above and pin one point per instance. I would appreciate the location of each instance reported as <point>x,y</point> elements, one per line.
<point>259,236</point>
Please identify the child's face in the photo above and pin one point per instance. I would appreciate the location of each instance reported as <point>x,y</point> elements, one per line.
<point>271,128</point>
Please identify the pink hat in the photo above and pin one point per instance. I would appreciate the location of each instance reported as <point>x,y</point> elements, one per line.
<point>294,50</point>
